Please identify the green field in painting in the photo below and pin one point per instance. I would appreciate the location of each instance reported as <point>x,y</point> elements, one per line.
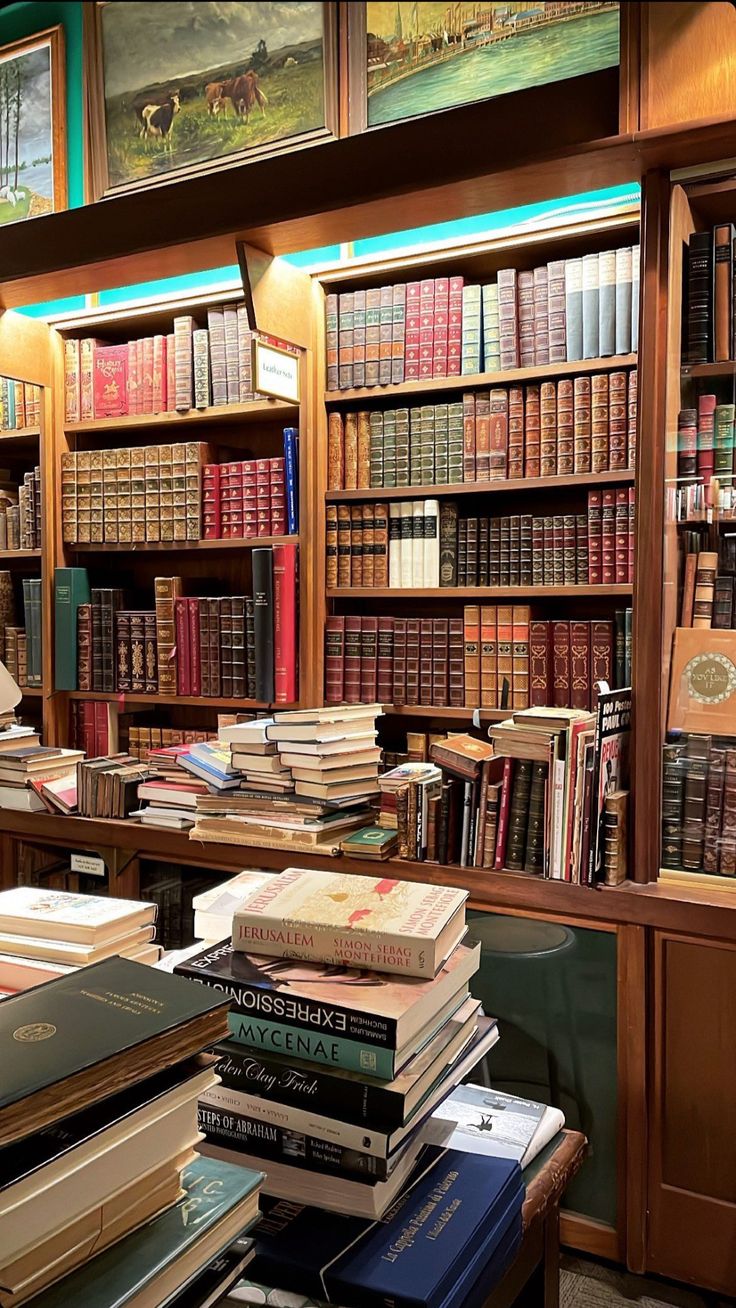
<point>294,105</point>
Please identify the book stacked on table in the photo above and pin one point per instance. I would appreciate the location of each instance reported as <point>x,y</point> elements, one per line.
<point>170,797</point>
<point>350,1019</point>
<point>304,777</point>
<point>99,1175</point>
<point>45,933</point>
<point>29,771</point>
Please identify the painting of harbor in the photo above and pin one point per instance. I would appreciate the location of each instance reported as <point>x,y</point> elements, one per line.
<point>428,56</point>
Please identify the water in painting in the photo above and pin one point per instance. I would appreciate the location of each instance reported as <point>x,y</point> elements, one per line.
<point>428,56</point>
<point>26,135</point>
<point>185,82</point>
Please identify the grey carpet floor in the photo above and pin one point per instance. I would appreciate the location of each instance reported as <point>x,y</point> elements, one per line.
<point>587,1284</point>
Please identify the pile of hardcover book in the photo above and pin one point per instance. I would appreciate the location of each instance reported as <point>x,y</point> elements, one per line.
<point>46,934</point>
<point>32,775</point>
<point>103,1197</point>
<point>350,1021</point>
<point>304,777</point>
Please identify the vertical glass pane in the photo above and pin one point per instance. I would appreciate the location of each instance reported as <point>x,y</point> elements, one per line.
<point>553,989</point>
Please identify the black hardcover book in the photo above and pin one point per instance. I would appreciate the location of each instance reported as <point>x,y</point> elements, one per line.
<point>534,851</point>
<point>122,642</point>
<point>714,808</point>
<point>518,815</point>
<point>673,794</point>
<point>76,1040</point>
<point>448,544</point>
<point>619,619</point>
<point>250,649</point>
<point>263,623</point>
<point>484,551</point>
<point>211,1285</point>
<point>693,815</point>
<point>264,1140</point>
<point>699,334</point>
<point>723,602</point>
<point>628,644</point>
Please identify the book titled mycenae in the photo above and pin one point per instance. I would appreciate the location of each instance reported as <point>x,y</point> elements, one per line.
<point>387,925</point>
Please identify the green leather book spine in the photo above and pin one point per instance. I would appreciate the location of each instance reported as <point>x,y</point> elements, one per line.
<point>71,588</point>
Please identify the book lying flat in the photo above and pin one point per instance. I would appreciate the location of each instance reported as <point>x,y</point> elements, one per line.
<point>67,1045</point>
<point>491,1122</point>
<point>66,951</point>
<point>402,927</point>
<point>207,1289</point>
<point>61,915</point>
<point>354,1261</point>
<point>149,1267</point>
<point>214,908</point>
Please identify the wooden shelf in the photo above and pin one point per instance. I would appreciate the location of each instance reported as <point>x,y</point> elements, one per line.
<point>463,714</point>
<point>463,593</point>
<point>697,910</point>
<point>32,692</point>
<point>19,434</point>
<point>727,368</point>
<point>125,698</point>
<point>252,411</point>
<point>182,546</point>
<point>502,486</point>
<point>19,554</point>
<point>509,377</point>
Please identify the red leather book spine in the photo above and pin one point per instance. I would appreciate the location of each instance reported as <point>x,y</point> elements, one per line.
<point>516,432</point>
<point>440,326</point>
<point>455,327</point>
<point>411,342</point>
<point>352,660</point>
<point>497,442</point>
<point>581,423</point>
<point>133,383</point>
<point>147,388</point>
<point>159,374</point>
<point>579,665</point>
<point>426,326</point>
<point>503,814</point>
<point>601,656</point>
<point>170,372</point>
<point>525,286</point>
<point>617,420</point>
<point>425,661</point>
<point>334,660</point>
<point>285,624</point>
<point>385,664</point>
<point>111,381</point>
<point>195,654</point>
<point>101,729</point>
<point>561,664</point>
<point>548,429</point>
<point>440,661</point>
<point>621,524</point>
<point>632,534</point>
<point>369,660</point>
<point>88,729</point>
<point>183,662</point>
<point>608,538</point>
<point>539,661</point>
<point>412,661</point>
<point>565,428</point>
<point>211,515</point>
<point>456,664</point>
<point>531,432</point>
<point>508,318</point>
<point>541,316</point>
<point>595,537</point>
<point>631,418</point>
<point>399,668</point>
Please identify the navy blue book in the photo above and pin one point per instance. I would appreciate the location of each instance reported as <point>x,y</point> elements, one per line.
<point>291,478</point>
<point>458,1207</point>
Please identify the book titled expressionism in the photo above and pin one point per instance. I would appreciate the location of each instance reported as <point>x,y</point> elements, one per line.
<point>340,1016</point>
<point>388,925</point>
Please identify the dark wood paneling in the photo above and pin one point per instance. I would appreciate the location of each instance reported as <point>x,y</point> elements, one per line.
<point>692,1169</point>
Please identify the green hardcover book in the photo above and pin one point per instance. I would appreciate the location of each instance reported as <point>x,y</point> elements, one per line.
<point>73,1041</point>
<point>724,441</point>
<point>71,588</point>
<point>370,842</point>
<point>219,1204</point>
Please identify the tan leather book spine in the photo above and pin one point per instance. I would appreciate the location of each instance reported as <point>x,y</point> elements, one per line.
<point>472,655</point>
<point>581,424</point>
<point>599,422</point>
<point>335,453</point>
<point>368,545</point>
<point>331,546</point>
<point>705,580</point>
<point>351,451</point>
<point>565,428</point>
<point>722,291</point>
<point>548,429</point>
<point>688,590</point>
<point>488,656</point>
<point>379,513</point>
<point>356,545</point>
<point>343,544</point>
<point>364,451</point>
<point>166,590</point>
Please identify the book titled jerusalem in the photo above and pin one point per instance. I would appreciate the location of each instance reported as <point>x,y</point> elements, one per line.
<point>387,925</point>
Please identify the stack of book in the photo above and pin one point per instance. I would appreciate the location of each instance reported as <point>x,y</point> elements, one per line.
<point>32,775</point>
<point>108,787</point>
<point>303,777</point>
<point>559,769</point>
<point>103,1072</point>
<point>214,908</point>
<point>585,424</point>
<point>170,796</point>
<point>49,932</point>
<point>331,1068</point>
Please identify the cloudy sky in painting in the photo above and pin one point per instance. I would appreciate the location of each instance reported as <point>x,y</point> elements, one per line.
<point>154,42</point>
<point>35,112</point>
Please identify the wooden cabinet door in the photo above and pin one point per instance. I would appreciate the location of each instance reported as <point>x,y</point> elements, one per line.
<point>692,1165</point>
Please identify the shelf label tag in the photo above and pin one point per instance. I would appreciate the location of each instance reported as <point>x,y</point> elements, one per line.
<point>275,372</point>
<point>92,864</point>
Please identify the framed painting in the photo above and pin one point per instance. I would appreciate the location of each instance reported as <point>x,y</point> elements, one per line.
<point>412,58</point>
<point>183,86</point>
<point>32,127</point>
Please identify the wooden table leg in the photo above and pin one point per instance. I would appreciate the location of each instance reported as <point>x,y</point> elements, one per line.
<point>551,1260</point>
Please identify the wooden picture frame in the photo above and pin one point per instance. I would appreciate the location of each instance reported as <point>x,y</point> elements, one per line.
<point>99,182</point>
<point>53,39</point>
<point>357,53</point>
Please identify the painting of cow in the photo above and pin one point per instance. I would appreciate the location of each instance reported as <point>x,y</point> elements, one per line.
<point>183,84</point>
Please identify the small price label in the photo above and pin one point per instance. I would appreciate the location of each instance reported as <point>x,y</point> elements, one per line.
<point>92,864</point>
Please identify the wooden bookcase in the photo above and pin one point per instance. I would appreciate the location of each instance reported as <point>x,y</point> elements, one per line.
<point>476,262</point>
